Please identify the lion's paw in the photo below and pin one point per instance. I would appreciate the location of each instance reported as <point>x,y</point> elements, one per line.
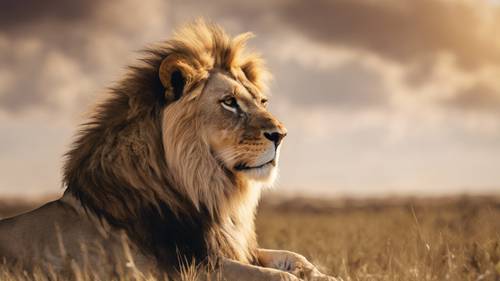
<point>305,271</point>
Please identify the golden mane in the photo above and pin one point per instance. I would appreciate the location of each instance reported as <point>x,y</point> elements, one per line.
<point>117,167</point>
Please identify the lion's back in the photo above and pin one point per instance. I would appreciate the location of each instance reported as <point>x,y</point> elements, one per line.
<point>26,236</point>
<point>52,234</point>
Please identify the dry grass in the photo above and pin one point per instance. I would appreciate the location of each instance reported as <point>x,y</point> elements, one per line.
<point>440,239</point>
<point>387,239</point>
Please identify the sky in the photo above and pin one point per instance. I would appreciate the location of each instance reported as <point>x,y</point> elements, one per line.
<point>379,96</point>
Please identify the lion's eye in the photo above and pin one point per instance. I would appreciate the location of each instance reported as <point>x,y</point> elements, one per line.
<point>230,101</point>
<point>264,102</point>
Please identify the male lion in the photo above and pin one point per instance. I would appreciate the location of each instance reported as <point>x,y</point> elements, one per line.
<point>169,170</point>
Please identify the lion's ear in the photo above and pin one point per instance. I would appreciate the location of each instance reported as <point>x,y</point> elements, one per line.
<point>175,73</point>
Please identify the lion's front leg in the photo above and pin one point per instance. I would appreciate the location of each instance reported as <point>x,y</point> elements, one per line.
<point>291,262</point>
<point>230,270</point>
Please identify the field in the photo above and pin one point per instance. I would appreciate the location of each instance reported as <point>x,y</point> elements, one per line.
<point>456,238</point>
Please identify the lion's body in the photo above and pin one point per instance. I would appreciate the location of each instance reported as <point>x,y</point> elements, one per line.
<point>61,233</point>
<point>168,170</point>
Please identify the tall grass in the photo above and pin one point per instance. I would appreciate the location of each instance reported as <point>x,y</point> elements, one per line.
<point>426,239</point>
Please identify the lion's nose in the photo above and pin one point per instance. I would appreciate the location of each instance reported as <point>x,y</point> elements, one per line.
<point>275,137</point>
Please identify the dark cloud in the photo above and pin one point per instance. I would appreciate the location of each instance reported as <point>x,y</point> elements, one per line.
<point>36,33</point>
<point>17,14</point>
<point>43,42</point>
<point>399,30</point>
<point>479,97</point>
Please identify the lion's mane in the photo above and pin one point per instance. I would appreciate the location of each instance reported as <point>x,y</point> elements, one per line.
<point>117,166</point>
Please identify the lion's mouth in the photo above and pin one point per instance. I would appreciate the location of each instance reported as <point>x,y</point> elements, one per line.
<point>244,167</point>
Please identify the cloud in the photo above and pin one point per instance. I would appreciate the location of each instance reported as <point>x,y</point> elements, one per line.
<point>56,55</point>
<point>478,97</point>
<point>402,30</point>
<point>417,35</point>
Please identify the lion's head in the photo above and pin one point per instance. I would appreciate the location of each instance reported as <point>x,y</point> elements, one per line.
<point>217,124</point>
<point>186,134</point>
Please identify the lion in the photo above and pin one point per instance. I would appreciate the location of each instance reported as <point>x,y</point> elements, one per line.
<point>168,170</point>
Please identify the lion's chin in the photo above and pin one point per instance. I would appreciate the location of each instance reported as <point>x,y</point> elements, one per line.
<point>265,175</point>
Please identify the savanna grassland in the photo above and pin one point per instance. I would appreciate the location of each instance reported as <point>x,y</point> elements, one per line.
<point>456,238</point>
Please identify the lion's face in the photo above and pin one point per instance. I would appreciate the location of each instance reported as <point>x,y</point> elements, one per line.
<point>243,136</point>
<point>230,122</point>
